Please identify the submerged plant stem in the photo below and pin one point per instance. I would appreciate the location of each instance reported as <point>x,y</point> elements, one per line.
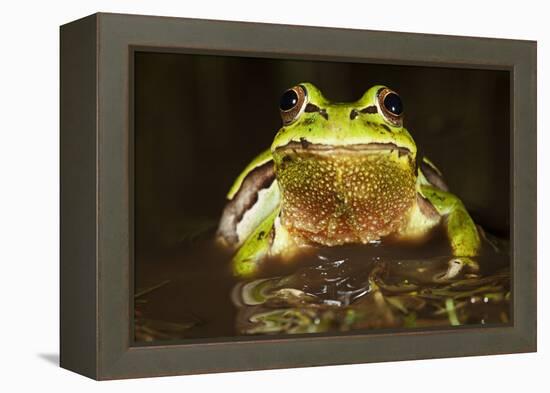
<point>151,289</point>
<point>450,306</point>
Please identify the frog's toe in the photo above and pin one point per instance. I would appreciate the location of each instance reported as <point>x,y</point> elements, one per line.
<point>470,264</point>
<point>455,267</point>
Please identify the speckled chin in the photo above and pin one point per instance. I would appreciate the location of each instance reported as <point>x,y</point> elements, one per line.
<point>343,195</point>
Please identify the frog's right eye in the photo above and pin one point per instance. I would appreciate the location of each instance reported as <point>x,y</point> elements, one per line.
<point>391,106</point>
<point>292,104</point>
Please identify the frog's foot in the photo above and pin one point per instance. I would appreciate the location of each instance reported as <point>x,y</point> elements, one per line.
<point>455,267</point>
<point>270,240</point>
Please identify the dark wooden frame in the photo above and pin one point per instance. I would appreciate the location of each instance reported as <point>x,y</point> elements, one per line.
<point>97,192</point>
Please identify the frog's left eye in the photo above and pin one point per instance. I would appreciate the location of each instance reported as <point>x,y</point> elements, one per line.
<point>292,104</point>
<point>391,105</point>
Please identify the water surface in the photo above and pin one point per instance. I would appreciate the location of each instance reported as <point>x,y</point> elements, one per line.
<point>189,292</point>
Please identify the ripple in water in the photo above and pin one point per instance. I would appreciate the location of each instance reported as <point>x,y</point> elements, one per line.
<point>336,289</point>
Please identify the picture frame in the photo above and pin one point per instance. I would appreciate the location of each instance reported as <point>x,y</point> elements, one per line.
<point>96,195</point>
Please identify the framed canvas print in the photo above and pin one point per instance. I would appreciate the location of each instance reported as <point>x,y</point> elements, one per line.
<point>240,196</point>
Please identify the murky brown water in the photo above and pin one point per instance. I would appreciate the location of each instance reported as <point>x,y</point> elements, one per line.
<point>189,292</point>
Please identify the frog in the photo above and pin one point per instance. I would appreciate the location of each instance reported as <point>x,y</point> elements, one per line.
<point>340,173</point>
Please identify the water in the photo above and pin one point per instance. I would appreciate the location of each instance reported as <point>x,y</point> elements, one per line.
<point>189,292</point>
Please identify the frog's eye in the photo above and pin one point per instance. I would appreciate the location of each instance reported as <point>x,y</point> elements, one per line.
<point>292,104</point>
<point>391,105</point>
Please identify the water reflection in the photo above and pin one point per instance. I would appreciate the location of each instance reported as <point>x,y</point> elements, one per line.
<point>341,294</point>
<point>190,292</point>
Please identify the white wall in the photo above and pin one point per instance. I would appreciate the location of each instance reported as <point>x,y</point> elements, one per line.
<point>29,191</point>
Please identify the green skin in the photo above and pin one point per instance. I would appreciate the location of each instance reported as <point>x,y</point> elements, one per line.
<point>344,174</point>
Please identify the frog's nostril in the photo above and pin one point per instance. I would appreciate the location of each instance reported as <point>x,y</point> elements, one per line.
<point>353,114</point>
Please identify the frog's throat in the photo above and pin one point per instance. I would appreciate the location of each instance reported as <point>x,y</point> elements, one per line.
<point>345,195</point>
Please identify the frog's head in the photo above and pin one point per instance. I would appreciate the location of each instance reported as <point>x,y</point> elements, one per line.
<point>346,170</point>
<point>374,122</point>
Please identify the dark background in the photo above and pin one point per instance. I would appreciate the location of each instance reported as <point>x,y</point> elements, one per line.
<point>199,119</point>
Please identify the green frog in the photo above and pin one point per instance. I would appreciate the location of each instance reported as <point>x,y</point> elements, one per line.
<point>340,173</point>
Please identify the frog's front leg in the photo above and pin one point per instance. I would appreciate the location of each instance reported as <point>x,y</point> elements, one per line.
<point>269,239</point>
<point>256,247</point>
<point>250,224</point>
<point>461,229</point>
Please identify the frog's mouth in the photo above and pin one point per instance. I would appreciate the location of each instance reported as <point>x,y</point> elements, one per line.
<point>364,148</point>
